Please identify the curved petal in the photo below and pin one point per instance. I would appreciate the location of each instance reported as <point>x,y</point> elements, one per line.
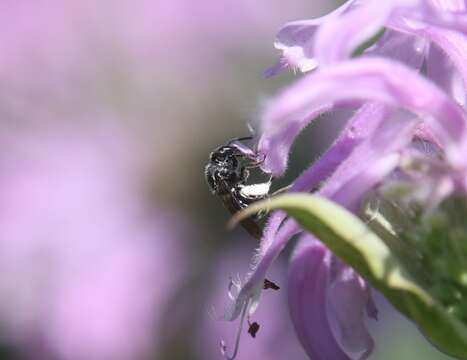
<point>441,70</point>
<point>248,295</point>
<point>295,41</point>
<point>370,161</point>
<point>339,37</point>
<point>346,299</point>
<point>371,79</point>
<point>358,340</point>
<point>275,143</point>
<point>389,138</point>
<point>275,237</point>
<point>407,48</point>
<point>453,43</point>
<point>309,274</point>
<point>449,14</point>
<point>357,130</point>
<point>362,124</point>
<point>449,5</point>
<point>353,177</point>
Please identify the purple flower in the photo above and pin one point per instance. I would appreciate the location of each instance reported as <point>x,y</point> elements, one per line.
<point>324,291</point>
<point>395,106</point>
<point>306,44</point>
<point>82,258</point>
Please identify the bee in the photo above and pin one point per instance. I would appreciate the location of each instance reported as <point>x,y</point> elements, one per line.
<point>227,173</point>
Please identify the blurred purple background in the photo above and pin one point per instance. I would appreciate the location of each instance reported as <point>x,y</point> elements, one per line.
<point>111,246</point>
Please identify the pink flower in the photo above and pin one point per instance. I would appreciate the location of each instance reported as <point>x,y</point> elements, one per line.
<point>83,261</point>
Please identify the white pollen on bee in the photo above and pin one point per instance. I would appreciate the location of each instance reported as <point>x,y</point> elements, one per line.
<point>256,189</point>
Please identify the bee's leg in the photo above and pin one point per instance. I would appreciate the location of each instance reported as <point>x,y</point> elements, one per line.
<point>245,175</point>
<point>256,162</point>
<point>243,138</point>
<point>253,134</point>
<point>242,150</point>
<point>281,190</point>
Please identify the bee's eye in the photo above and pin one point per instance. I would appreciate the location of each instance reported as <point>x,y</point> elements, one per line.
<point>222,155</point>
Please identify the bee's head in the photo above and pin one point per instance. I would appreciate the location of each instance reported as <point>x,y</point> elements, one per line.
<point>225,155</point>
<point>221,178</point>
<point>224,170</point>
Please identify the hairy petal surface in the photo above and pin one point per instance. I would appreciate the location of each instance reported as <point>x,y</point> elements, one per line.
<point>359,127</point>
<point>351,332</point>
<point>352,135</point>
<point>340,36</point>
<point>370,161</point>
<point>295,41</point>
<point>368,148</point>
<point>248,294</point>
<point>408,49</point>
<point>452,43</point>
<point>276,141</point>
<point>381,149</point>
<point>373,79</point>
<point>306,44</point>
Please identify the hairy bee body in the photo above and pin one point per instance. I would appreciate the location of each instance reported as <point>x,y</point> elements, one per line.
<point>227,173</point>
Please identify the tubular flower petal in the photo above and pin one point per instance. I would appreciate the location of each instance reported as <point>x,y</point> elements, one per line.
<point>309,277</point>
<point>347,298</point>
<point>369,162</point>
<point>354,28</point>
<point>295,41</point>
<point>307,44</point>
<point>370,79</point>
<point>333,298</point>
<point>408,50</point>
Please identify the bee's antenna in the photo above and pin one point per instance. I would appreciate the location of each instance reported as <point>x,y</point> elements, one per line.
<point>240,139</point>
<point>252,135</point>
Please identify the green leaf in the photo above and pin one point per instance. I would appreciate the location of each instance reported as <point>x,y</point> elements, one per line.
<point>352,241</point>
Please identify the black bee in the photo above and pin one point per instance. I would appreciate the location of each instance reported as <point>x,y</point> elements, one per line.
<point>227,173</point>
